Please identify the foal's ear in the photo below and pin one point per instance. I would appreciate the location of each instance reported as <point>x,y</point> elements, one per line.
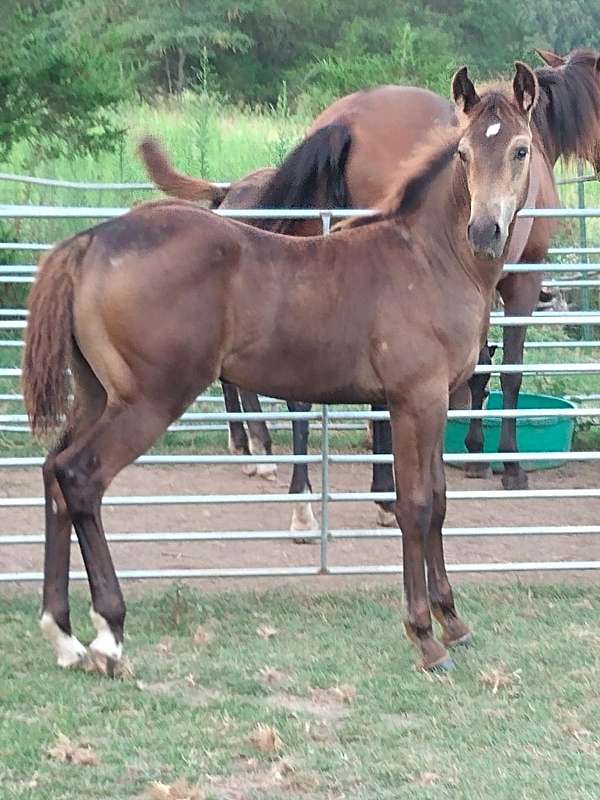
<point>463,91</point>
<point>550,58</point>
<point>525,87</point>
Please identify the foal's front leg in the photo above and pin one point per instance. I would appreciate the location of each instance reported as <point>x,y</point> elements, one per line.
<point>417,433</point>
<point>441,599</point>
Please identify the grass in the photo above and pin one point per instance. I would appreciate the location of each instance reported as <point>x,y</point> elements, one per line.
<point>518,720</point>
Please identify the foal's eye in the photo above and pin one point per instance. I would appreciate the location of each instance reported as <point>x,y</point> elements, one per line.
<point>521,153</point>
<point>462,155</point>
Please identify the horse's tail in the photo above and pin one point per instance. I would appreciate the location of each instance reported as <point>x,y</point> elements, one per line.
<point>313,174</point>
<point>49,336</point>
<point>174,183</point>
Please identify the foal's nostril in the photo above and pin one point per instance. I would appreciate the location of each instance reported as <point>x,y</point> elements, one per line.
<point>497,231</point>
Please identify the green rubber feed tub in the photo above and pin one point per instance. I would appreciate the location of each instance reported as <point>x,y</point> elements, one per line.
<point>534,435</point>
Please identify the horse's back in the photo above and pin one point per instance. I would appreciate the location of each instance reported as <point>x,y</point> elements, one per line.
<point>386,123</point>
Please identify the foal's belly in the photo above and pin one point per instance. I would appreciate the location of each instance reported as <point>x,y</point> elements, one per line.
<point>319,376</point>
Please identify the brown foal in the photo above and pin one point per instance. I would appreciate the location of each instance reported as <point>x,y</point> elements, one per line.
<point>149,308</point>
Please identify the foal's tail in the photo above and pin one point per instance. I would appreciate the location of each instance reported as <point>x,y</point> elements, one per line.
<point>168,180</point>
<point>313,175</point>
<point>49,336</point>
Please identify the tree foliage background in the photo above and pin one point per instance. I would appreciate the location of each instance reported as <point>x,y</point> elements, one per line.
<point>67,65</point>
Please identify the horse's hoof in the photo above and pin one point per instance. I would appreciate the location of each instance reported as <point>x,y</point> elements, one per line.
<point>478,471</point>
<point>303,519</point>
<point>386,519</point>
<point>268,472</point>
<point>512,481</point>
<point>249,470</point>
<point>70,653</point>
<point>101,663</point>
<point>442,667</point>
<point>465,641</point>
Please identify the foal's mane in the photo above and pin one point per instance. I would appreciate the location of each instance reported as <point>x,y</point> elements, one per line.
<point>417,173</point>
<point>567,115</point>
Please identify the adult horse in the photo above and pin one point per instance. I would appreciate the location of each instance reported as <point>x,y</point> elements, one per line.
<point>350,156</point>
<point>390,310</point>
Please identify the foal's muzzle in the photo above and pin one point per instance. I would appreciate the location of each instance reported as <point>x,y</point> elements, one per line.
<point>485,238</point>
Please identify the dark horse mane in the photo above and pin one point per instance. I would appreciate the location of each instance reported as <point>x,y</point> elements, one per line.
<point>565,129</point>
<point>322,155</point>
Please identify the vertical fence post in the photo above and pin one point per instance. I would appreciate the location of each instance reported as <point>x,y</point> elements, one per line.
<point>324,565</point>
<point>585,291</point>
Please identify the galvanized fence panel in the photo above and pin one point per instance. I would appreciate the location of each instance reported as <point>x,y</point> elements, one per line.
<point>326,420</point>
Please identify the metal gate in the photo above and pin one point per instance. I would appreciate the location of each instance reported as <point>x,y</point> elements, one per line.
<point>14,321</point>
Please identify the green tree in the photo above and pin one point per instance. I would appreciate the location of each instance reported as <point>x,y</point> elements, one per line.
<point>55,91</point>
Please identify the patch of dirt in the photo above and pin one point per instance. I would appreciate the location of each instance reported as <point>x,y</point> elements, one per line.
<point>195,695</point>
<point>218,479</point>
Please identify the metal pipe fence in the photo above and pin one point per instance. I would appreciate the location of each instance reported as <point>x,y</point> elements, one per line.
<point>326,420</point>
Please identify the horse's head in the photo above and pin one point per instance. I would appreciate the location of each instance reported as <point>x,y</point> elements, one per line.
<point>495,155</point>
<point>581,71</point>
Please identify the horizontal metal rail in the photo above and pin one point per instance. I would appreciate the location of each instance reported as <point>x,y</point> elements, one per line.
<point>91,185</point>
<point>99,212</point>
<point>146,185</point>
<point>219,499</point>
<point>170,537</point>
<point>308,571</point>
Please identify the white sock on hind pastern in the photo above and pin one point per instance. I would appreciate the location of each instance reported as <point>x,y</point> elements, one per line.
<point>68,649</point>
<point>105,643</point>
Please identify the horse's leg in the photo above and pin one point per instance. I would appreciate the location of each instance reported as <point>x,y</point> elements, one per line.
<point>55,620</point>
<point>520,292</point>
<point>474,438</point>
<point>238,441</point>
<point>441,600</point>
<point>84,470</point>
<point>383,474</point>
<point>259,436</point>
<point>303,518</point>
<point>417,434</point>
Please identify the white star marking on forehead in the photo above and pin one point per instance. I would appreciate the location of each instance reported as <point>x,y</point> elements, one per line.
<point>493,129</point>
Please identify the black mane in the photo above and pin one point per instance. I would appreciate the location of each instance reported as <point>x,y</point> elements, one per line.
<point>567,115</point>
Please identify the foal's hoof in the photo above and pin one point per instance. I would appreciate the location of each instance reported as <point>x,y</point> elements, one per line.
<point>386,519</point>
<point>465,641</point>
<point>512,481</point>
<point>478,471</point>
<point>249,470</point>
<point>441,667</point>
<point>268,472</point>
<point>103,664</point>
<point>70,653</point>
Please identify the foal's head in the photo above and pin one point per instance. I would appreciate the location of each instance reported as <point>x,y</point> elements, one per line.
<point>494,154</point>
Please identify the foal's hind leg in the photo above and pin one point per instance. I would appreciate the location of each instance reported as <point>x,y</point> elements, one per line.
<point>260,438</point>
<point>84,471</point>
<point>55,619</point>
<point>520,292</point>
<point>303,518</point>
<point>238,441</point>
<point>441,600</point>
<point>474,440</point>
<point>383,474</point>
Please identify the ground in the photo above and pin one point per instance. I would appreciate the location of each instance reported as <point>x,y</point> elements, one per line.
<point>137,480</point>
<point>304,696</point>
<point>293,694</point>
